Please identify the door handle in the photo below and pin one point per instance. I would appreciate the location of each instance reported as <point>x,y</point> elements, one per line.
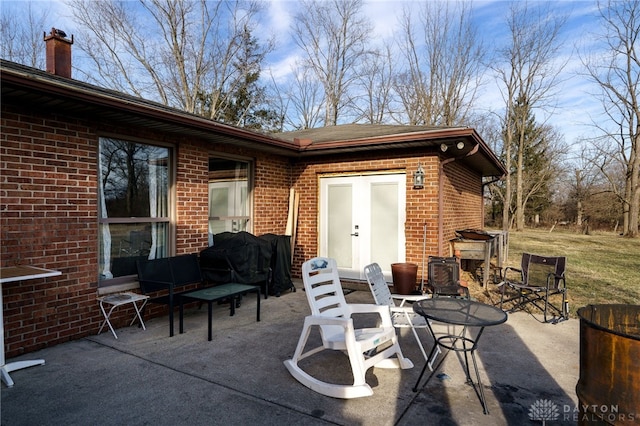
<point>355,234</point>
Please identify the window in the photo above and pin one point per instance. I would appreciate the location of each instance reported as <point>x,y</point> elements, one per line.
<point>229,203</point>
<point>133,207</point>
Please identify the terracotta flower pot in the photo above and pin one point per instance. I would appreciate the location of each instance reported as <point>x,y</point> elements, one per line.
<point>404,277</point>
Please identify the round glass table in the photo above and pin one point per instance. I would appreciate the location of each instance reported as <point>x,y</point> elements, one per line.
<point>459,312</point>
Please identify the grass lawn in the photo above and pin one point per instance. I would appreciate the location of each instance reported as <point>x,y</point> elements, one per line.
<point>601,268</point>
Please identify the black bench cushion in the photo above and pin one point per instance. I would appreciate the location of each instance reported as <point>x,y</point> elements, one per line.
<point>169,272</point>
<point>185,270</point>
<point>154,275</point>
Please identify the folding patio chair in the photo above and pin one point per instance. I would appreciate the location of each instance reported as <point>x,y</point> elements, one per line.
<point>444,277</point>
<point>540,277</point>
<point>333,316</point>
<point>402,316</point>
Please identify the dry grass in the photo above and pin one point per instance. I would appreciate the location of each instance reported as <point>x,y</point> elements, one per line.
<point>601,268</point>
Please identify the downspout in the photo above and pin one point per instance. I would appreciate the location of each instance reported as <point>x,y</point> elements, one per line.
<point>441,194</point>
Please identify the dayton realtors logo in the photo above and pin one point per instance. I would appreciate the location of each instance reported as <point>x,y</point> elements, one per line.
<point>545,410</point>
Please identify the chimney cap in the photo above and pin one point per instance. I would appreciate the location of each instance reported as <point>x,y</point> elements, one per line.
<point>58,34</point>
<point>58,53</point>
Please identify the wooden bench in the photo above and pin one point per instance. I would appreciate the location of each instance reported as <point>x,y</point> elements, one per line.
<point>176,275</point>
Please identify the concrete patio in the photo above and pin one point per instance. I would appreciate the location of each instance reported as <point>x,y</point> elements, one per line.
<point>149,378</point>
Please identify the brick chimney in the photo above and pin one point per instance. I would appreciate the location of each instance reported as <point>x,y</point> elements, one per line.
<point>58,53</point>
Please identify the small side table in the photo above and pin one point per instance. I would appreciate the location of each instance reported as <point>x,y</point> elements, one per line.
<point>462,312</point>
<point>213,294</point>
<point>120,299</point>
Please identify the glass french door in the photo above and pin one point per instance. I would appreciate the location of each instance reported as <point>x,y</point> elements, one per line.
<point>362,221</point>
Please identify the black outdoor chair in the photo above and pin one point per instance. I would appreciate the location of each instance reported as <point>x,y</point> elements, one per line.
<point>444,277</point>
<point>539,278</point>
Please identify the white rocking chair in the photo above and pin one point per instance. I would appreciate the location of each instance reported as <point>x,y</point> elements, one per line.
<point>402,316</point>
<point>332,314</point>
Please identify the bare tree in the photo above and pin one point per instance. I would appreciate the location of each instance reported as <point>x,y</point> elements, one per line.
<point>444,68</point>
<point>589,200</point>
<point>177,52</point>
<point>617,74</point>
<point>583,183</point>
<point>528,75</point>
<point>306,99</point>
<point>334,36</point>
<point>22,34</point>
<point>376,83</point>
<point>490,127</point>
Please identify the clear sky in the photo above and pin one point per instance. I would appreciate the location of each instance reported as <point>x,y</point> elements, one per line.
<point>575,107</point>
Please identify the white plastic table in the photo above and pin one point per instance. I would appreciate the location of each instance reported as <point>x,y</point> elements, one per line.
<point>120,299</point>
<point>10,274</point>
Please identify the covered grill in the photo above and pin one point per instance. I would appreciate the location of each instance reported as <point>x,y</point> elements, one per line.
<point>244,258</point>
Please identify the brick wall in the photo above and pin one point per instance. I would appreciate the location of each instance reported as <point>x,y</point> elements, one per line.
<point>462,200</point>
<point>272,180</point>
<point>192,197</point>
<point>462,197</point>
<point>48,219</point>
<point>48,212</point>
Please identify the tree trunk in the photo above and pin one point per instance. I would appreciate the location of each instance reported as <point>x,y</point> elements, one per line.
<point>506,205</point>
<point>520,185</point>
<point>634,182</point>
<point>634,207</point>
<point>579,214</point>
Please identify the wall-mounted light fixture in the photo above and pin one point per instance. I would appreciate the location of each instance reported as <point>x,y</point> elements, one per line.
<point>444,147</point>
<point>418,177</point>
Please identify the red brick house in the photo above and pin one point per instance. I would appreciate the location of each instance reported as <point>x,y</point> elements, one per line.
<point>91,178</point>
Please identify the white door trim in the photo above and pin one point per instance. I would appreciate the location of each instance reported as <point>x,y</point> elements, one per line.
<point>355,251</point>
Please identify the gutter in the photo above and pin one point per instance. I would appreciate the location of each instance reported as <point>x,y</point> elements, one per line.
<point>57,91</point>
<point>493,181</point>
<point>76,91</point>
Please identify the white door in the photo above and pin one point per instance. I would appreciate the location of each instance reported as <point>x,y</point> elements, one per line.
<point>362,221</point>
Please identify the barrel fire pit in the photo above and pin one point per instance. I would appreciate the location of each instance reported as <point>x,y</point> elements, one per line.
<point>609,386</point>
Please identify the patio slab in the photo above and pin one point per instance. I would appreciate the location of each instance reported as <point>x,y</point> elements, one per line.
<point>146,377</point>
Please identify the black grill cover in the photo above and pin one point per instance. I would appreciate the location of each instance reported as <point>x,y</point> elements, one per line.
<point>280,263</point>
<point>238,257</point>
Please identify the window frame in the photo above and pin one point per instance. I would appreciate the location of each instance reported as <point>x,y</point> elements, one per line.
<point>169,220</point>
<point>251,165</point>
